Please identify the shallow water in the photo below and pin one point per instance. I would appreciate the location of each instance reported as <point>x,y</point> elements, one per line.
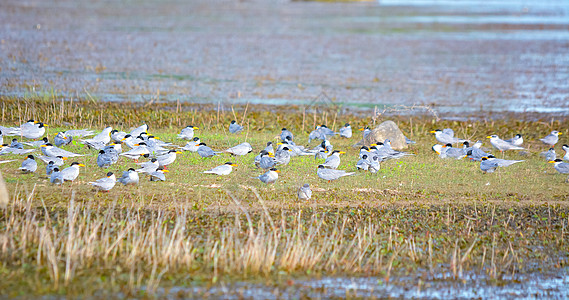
<point>472,287</point>
<point>462,57</point>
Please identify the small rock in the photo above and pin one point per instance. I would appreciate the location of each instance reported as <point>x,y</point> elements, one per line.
<point>386,130</point>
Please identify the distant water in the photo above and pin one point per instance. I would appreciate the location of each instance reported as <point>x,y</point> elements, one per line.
<point>462,57</point>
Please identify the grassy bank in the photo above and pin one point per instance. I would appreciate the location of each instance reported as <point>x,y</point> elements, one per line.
<point>419,216</point>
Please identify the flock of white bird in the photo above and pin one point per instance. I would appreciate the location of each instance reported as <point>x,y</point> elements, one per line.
<point>159,154</point>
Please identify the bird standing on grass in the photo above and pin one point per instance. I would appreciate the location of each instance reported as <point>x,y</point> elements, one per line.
<point>224,169</point>
<point>560,166</point>
<point>105,184</point>
<point>333,161</point>
<point>187,133</point>
<point>71,173</point>
<point>331,174</point>
<point>502,145</point>
<point>304,192</point>
<point>552,138</point>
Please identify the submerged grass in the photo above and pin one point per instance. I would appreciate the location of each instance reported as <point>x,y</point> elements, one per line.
<point>421,216</point>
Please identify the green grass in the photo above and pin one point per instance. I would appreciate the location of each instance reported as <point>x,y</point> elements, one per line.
<point>420,214</point>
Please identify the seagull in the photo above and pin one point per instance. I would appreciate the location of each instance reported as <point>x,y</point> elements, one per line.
<point>270,176</point>
<point>56,177</point>
<point>129,177</point>
<point>61,139</point>
<point>285,133</point>
<point>71,173</point>
<point>187,133</point>
<point>346,131</point>
<point>331,174</point>
<point>100,140</point>
<point>240,150</point>
<point>366,131</point>
<point>446,136</point>
<point>552,138</point>
<point>32,129</point>
<point>29,165</point>
<point>139,130</point>
<point>560,166</point>
<point>517,140</point>
<point>502,145</point>
<point>192,145</point>
<point>205,151</point>
<point>158,175</point>
<point>224,169</point>
<point>234,127</point>
<point>304,192</point>
<point>106,183</point>
<point>149,167</point>
<point>333,161</point>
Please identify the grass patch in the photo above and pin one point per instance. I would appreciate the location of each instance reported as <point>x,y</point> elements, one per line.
<point>420,216</point>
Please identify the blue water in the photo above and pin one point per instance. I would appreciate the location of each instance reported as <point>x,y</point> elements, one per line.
<point>461,57</point>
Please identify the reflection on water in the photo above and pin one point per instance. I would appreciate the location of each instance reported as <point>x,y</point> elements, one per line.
<point>462,56</point>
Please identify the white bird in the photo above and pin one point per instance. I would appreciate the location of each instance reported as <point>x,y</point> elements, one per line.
<point>187,133</point>
<point>517,140</point>
<point>149,167</point>
<point>333,161</point>
<point>117,136</point>
<point>100,140</point>
<point>106,183</point>
<point>566,148</point>
<point>137,151</point>
<point>7,150</point>
<point>56,177</point>
<point>446,136</point>
<point>549,154</point>
<point>365,131</point>
<point>363,163</point>
<point>50,150</point>
<point>57,161</point>
<point>502,145</point>
<point>61,139</point>
<point>129,177</point>
<point>192,145</point>
<point>234,127</point>
<point>224,169</point>
<point>32,129</point>
<point>29,165</point>
<point>158,175</point>
<point>71,173</point>
<point>205,151</point>
<point>331,174</point>
<point>79,132</point>
<point>240,150</point>
<point>37,143</point>
<point>346,131</point>
<point>139,130</point>
<point>552,138</point>
<point>286,135</point>
<point>560,166</point>
<point>168,158</point>
<point>304,192</point>
<point>270,176</point>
